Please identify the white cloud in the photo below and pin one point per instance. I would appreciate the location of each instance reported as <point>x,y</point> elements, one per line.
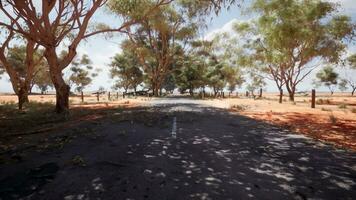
<point>348,6</point>
<point>226,28</point>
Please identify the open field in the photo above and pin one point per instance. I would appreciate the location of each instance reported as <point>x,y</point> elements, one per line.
<point>333,120</point>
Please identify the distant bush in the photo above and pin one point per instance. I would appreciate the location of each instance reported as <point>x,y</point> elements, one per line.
<point>238,107</point>
<point>323,101</point>
<point>353,110</point>
<point>342,106</point>
<point>332,119</point>
<point>325,109</point>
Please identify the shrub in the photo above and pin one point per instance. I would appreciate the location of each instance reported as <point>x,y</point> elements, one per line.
<point>353,110</point>
<point>322,101</point>
<point>332,119</point>
<point>78,160</point>
<point>342,106</point>
<point>325,109</point>
<point>238,107</point>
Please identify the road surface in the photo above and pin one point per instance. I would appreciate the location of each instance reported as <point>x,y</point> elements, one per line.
<point>181,149</point>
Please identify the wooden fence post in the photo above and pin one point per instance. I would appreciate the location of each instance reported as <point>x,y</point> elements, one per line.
<point>97,96</point>
<point>313,99</point>
<point>109,96</point>
<point>82,96</point>
<point>117,95</point>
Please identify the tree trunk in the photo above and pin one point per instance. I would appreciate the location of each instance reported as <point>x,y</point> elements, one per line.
<point>291,92</point>
<point>280,95</point>
<point>22,97</point>
<point>353,91</point>
<point>62,89</point>
<point>155,91</point>
<point>62,96</point>
<point>291,96</point>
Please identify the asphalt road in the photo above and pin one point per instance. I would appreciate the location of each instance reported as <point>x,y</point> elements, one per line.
<point>182,149</point>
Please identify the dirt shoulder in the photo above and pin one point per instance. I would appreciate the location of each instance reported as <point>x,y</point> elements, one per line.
<point>332,122</point>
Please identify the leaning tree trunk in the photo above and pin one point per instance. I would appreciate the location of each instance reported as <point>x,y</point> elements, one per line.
<point>62,89</point>
<point>353,91</point>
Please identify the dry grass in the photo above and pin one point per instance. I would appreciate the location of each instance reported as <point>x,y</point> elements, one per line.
<point>38,116</point>
<point>334,121</point>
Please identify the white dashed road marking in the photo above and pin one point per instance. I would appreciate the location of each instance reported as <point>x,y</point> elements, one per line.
<point>174,128</point>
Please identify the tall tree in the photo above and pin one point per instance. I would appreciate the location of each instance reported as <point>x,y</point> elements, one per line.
<point>327,77</point>
<point>42,79</point>
<point>19,62</point>
<point>292,36</point>
<point>64,23</point>
<point>350,68</point>
<point>127,68</point>
<point>82,73</point>
<point>155,40</point>
<point>191,75</point>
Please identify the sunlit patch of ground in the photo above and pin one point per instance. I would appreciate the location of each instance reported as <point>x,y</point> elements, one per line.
<point>331,122</point>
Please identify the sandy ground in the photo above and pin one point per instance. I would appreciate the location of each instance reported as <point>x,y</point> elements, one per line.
<point>333,120</point>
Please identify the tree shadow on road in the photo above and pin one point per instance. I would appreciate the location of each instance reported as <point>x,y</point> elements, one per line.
<point>215,155</point>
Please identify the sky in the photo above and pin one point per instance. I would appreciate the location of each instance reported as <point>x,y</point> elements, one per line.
<point>100,49</point>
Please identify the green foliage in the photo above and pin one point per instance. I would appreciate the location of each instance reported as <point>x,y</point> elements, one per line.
<point>191,75</point>
<point>352,61</point>
<point>292,36</point>
<point>256,82</point>
<point>42,79</point>
<point>16,56</point>
<point>343,84</point>
<point>127,68</point>
<point>81,75</point>
<point>328,77</point>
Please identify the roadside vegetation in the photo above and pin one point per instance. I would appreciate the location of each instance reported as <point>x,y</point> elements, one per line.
<point>163,53</point>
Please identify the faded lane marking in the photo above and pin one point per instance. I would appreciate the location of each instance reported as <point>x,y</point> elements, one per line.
<point>174,128</point>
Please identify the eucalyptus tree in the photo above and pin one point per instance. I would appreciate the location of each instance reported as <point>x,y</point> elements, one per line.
<point>41,79</point>
<point>291,38</point>
<point>20,64</point>
<point>327,77</point>
<point>191,75</point>
<point>127,68</point>
<point>61,23</point>
<point>350,69</point>
<point>300,33</point>
<point>156,38</point>
<point>81,73</point>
